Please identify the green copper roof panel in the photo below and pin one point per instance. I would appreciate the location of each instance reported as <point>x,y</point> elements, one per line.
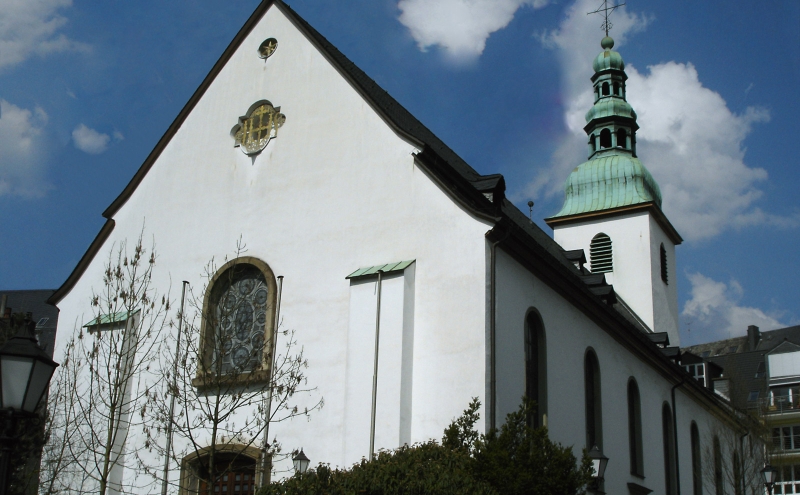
<point>397,266</point>
<point>108,319</point>
<point>608,182</point>
<point>610,107</point>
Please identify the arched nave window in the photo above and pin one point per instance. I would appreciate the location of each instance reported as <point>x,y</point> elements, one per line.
<point>697,474</point>
<point>635,428</point>
<point>719,487</point>
<point>536,367</point>
<point>670,478</point>
<point>238,316</point>
<point>594,409</point>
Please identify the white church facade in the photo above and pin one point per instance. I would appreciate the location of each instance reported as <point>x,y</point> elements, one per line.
<point>327,180</point>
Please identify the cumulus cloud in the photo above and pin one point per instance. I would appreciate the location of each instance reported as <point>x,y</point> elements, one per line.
<point>714,310</point>
<point>22,152</point>
<point>30,27</point>
<point>459,27</point>
<point>689,139</point>
<point>90,141</point>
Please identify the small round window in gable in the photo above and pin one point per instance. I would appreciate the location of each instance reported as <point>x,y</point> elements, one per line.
<point>267,48</point>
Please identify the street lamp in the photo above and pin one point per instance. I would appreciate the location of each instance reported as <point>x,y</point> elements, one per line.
<point>301,462</point>
<point>768,475</point>
<point>25,372</point>
<point>599,462</point>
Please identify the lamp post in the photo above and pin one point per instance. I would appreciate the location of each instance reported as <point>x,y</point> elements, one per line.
<point>768,475</point>
<point>599,462</point>
<point>300,462</point>
<point>25,372</point>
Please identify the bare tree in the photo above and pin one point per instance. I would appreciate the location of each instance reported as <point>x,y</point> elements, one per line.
<point>105,378</point>
<point>224,381</point>
<point>732,459</point>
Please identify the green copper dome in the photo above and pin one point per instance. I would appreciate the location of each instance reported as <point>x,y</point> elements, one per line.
<point>608,59</point>
<point>613,177</point>
<point>608,182</point>
<point>610,107</point>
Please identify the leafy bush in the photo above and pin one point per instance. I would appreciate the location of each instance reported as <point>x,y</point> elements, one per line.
<point>516,459</point>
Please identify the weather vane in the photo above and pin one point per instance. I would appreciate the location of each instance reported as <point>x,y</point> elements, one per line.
<point>605,9</point>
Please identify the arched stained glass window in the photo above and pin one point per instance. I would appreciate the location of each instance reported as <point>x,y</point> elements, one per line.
<point>536,367</point>
<point>670,478</point>
<point>697,474</point>
<point>238,318</point>
<point>594,409</point>
<point>635,428</point>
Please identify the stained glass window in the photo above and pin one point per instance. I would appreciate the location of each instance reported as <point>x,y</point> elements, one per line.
<point>239,315</point>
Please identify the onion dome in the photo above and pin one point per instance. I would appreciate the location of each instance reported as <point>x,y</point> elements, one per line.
<point>608,59</point>
<point>613,176</point>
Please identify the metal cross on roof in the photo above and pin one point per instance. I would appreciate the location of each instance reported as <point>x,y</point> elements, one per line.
<point>606,10</point>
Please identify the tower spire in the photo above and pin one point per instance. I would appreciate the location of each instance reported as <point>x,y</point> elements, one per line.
<point>606,10</point>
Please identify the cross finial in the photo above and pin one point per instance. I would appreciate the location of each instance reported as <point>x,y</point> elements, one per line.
<point>606,10</point>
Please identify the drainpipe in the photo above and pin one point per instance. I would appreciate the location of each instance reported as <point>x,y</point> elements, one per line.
<point>493,331</point>
<point>172,398</point>
<point>271,385</point>
<point>375,371</point>
<point>675,435</point>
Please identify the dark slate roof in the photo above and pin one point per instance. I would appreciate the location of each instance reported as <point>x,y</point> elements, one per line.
<point>741,366</point>
<point>35,301</point>
<point>481,195</point>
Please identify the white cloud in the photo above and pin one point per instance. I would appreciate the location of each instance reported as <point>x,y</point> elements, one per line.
<point>22,150</point>
<point>30,27</point>
<point>714,310</point>
<point>689,139</point>
<point>459,27</point>
<point>90,141</point>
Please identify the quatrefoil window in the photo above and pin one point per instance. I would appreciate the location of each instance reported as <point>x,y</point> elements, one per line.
<point>257,127</point>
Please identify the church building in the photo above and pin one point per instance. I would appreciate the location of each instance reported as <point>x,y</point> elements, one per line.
<point>357,221</point>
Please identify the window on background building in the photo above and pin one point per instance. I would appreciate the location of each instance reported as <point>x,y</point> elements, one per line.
<point>670,480</point>
<point>697,463</point>
<point>761,371</point>
<point>594,411</point>
<point>786,437</point>
<point>635,428</point>
<point>788,480</point>
<point>752,396</point>
<point>237,318</point>
<point>784,397</point>
<point>698,372</point>
<point>536,367</point>
<point>600,254</point>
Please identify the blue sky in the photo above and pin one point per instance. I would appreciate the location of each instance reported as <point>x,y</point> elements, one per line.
<point>87,88</point>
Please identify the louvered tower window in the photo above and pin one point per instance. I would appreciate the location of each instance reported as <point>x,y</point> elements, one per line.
<point>600,253</point>
<point>664,265</point>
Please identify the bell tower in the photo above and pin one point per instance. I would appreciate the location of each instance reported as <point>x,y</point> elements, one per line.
<point>612,206</point>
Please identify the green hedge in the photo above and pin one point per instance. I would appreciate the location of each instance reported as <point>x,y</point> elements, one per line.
<point>516,459</point>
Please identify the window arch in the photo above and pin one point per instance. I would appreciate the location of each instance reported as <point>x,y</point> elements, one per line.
<point>536,367</point>
<point>616,88</point>
<point>592,143</point>
<point>238,318</point>
<point>670,477</point>
<point>237,470</point>
<point>622,138</point>
<point>664,273</point>
<point>605,138</point>
<point>605,89</point>
<point>697,474</point>
<point>594,409</point>
<point>635,428</point>
<point>600,253</point>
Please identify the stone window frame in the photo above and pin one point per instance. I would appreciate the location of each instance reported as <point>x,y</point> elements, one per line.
<point>257,376</point>
<point>189,483</point>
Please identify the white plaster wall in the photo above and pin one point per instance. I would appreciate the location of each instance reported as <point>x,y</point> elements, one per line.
<point>635,240</point>
<point>335,191</point>
<point>568,334</point>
